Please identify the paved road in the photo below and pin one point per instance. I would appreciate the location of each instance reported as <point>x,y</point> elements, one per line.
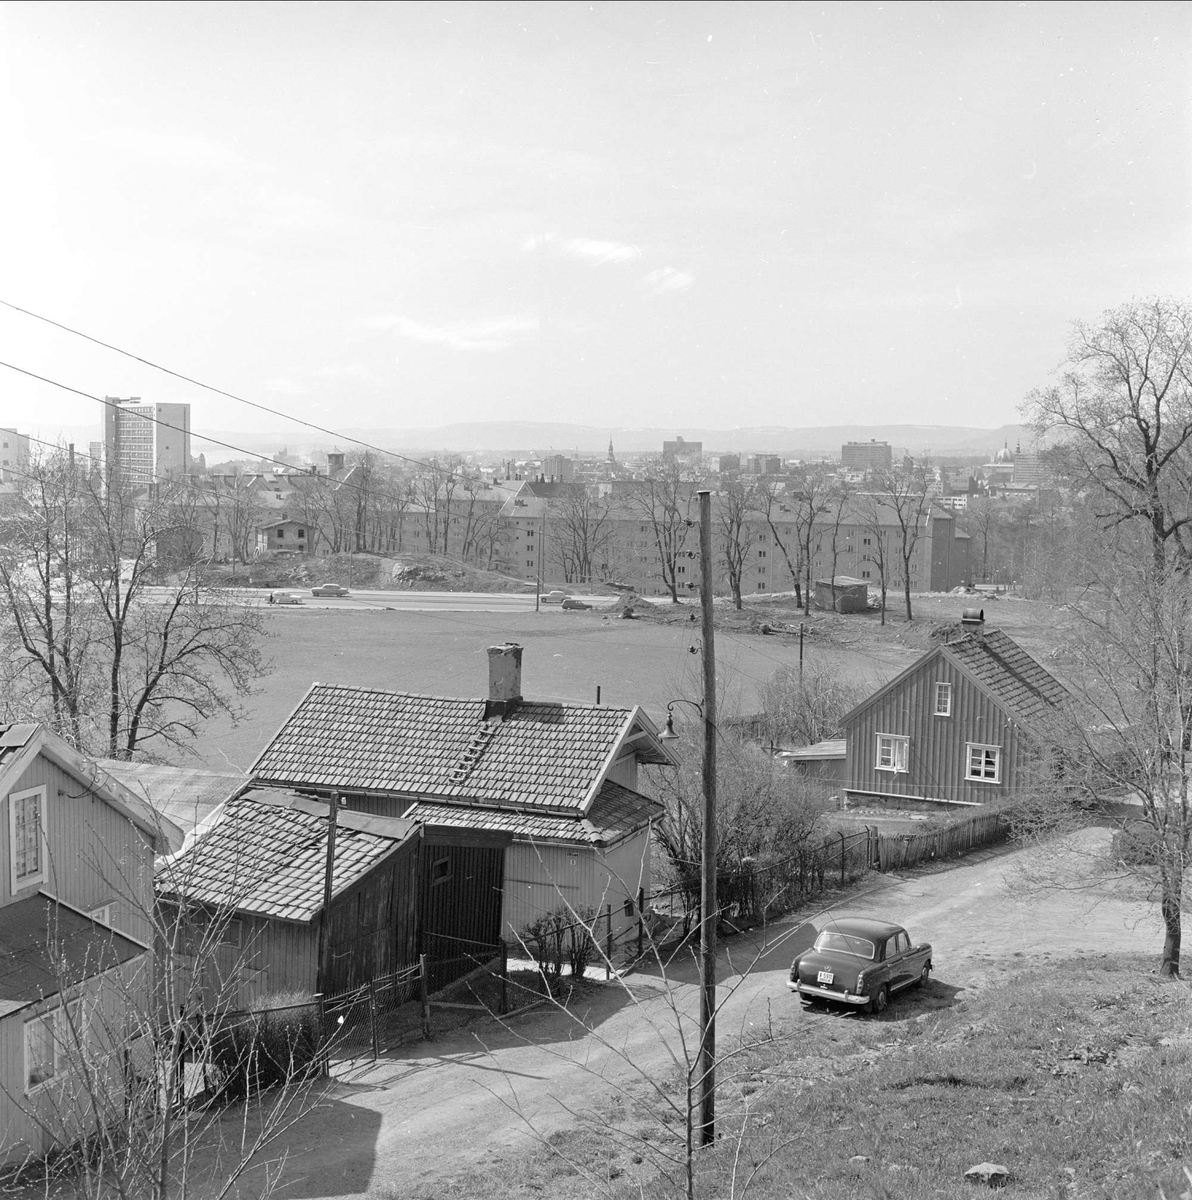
<point>443,1108</point>
<point>404,600</point>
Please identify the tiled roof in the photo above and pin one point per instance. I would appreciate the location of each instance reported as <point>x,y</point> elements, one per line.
<point>13,739</point>
<point>616,812</point>
<point>1009,673</point>
<point>267,855</point>
<point>539,755</point>
<point>46,946</point>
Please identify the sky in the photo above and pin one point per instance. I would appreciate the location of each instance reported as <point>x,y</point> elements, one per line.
<point>676,215</point>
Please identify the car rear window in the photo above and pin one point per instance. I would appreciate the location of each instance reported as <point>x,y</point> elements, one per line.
<point>846,943</point>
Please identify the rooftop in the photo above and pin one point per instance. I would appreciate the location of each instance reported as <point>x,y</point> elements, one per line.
<point>266,855</point>
<point>548,756</point>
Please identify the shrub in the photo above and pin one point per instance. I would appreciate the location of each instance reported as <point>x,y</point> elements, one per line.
<point>275,1044</point>
<point>562,938</point>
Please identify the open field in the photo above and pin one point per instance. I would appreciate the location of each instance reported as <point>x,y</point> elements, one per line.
<point>570,654</point>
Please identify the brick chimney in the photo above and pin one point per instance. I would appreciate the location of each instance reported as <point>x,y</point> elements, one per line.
<point>504,679</point>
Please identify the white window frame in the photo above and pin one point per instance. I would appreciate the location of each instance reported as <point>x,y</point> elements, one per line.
<point>899,752</point>
<point>943,699</point>
<point>38,876</point>
<point>62,1042</point>
<point>971,752</point>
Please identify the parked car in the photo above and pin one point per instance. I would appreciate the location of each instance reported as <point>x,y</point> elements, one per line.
<point>286,598</point>
<point>555,597</point>
<point>572,603</point>
<point>330,589</point>
<point>859,961</point>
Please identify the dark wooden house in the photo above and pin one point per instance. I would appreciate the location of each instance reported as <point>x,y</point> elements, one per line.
<point>953,729</point>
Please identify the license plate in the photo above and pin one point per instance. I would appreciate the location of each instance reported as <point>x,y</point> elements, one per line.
<point>825,977</point>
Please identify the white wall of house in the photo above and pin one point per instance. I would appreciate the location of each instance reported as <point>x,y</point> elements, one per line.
<point>541,877</point>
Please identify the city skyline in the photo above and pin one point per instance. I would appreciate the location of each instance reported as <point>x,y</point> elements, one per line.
<point>675,217</point>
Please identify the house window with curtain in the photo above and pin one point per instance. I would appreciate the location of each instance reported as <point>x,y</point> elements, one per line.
<point>984,763</point>
<point>893,752</point>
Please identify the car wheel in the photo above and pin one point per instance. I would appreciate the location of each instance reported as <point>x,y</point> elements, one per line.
<point>878,1003</point>
<point>923,975</point>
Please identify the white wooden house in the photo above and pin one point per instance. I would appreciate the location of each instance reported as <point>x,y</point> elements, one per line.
<point>559,780</point>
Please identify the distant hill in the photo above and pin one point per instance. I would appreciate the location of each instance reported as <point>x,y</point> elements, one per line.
<point>523,438</point>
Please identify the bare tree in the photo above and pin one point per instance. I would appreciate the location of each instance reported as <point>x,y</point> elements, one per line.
<point>803,707</point>
<point>772,503</point>
<point>905,495</point>
<point>812,494</point>
<point>581,529</point>
<point>734,506</point>
<point>1124,401</point>
<point>663,501</point>
<point>1128,663</point>
<point>126,650</point>
<point>980,521</point>
<point>875,547</point>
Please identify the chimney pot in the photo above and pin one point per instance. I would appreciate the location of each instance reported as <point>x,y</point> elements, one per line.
<point>504,679</point>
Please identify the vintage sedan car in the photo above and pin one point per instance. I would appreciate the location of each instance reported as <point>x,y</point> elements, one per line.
<point>329,589</point>
<point>859,961</point>
<point>555,597</point>
<point>572,603</point>
<point>286,598</point>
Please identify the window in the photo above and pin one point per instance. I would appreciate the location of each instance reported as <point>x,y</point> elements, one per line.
<point>302,533</point>
<point>867,541</point>
<point>50,1041</point>
<point>440,872</point>
<point>892,752</point>
<point>761,554</point>
<point>281,533</point>
<point>984,763</point>
<point>943,699</point>
<point>102,914</point>
<point>26,819</point>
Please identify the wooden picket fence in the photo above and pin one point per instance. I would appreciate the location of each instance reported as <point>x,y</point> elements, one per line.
<point>896,851</point>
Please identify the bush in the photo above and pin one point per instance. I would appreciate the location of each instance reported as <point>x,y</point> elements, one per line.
<point>562,937</point>
<point>275,1044</point>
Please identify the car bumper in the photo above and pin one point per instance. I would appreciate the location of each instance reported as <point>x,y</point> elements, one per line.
<point>804,989</point>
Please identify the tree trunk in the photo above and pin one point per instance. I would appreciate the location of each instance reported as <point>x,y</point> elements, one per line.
<point>1170,908</point>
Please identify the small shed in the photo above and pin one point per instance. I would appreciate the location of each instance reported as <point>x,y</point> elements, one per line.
<point>842,594</point>
<point>823,761</point>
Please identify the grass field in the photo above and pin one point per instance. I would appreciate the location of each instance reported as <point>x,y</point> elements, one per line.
<point>569,654</point>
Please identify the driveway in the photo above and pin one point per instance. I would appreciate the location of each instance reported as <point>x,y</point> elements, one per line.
<point>443,1108</point>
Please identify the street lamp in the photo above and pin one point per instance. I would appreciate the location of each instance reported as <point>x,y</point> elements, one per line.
<point>709,907</point>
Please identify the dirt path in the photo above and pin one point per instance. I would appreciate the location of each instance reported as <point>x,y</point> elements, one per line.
<point>443,1108</point>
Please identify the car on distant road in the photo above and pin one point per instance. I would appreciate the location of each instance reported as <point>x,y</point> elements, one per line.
<point>572,603</point>
<point>555,597</point>
<point>285,598</point>
<point>859,961</point>
<point>330,589</point>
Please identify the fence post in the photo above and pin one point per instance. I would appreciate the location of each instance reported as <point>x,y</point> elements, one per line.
<point>608,943</point>
<point>641,919</point>
<point>842,858</point>
<point>372,1018</point>
<point>324,1037</point>
<point>423,996</point>
<point>504,976</point>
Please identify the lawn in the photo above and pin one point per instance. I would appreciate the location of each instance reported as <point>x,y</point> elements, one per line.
<point>571,654</point>
<point>568,655</point>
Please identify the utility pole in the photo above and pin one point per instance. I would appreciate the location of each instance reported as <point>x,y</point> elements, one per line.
<point>709,908</point>
<point>325,916</point>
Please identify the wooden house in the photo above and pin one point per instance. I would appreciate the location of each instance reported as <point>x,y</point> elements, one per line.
<point>953,729</point>
<point>76,921</point>
<point>557,782</point>
<point>252,882</point>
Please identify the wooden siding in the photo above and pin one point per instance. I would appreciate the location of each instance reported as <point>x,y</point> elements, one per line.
<point>33,1124</point>
<point>540,878</point>
<point>460,892</point>
<point>624,770</point>
<point>937,755</point>
<point>96,855</point>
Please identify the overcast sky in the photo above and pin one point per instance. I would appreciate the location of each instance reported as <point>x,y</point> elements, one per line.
<point>671,215</point>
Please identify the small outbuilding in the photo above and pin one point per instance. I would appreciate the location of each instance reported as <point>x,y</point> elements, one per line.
<point>824,761</point>
<point>842,594</point>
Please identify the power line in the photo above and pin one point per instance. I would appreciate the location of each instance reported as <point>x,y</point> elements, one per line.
<point>211,388</point>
